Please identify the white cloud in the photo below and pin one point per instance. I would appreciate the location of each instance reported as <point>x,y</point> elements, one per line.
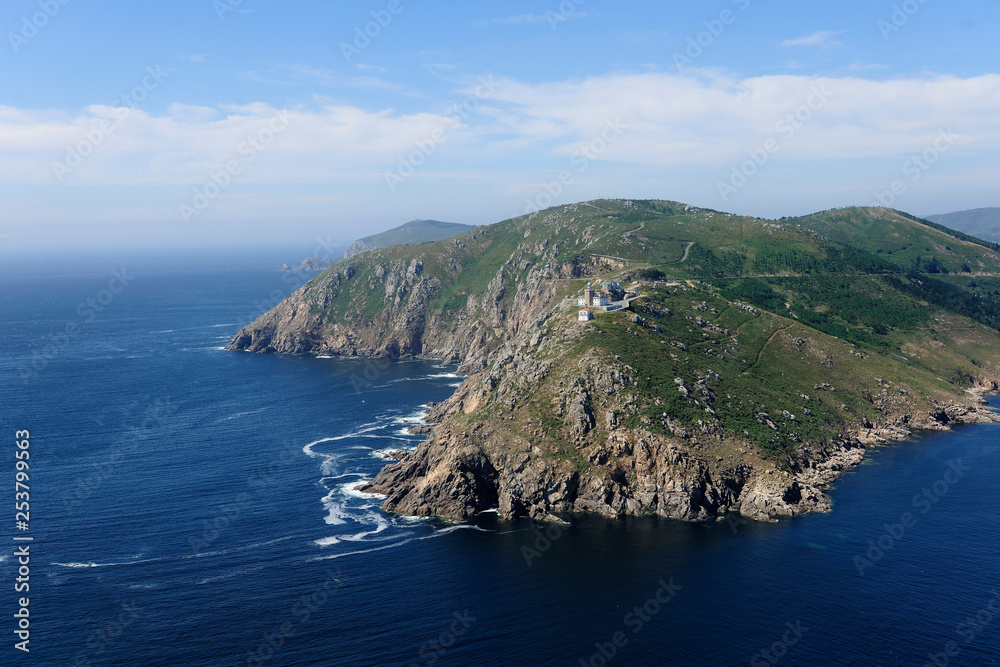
<point>675,120</point>
<point>820,38</point>
<point>695,127</point>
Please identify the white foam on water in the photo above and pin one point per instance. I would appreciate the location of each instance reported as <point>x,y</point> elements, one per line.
<point>353,512</point>
<point>364,551</point>
<point>365,428</point>
<point>350,490</point>
<point>380,525</point>
<point>415,418</point>
<point>93,564</point>
<point>436,533</point>
<point>336,513</point>
<point>242,414</point>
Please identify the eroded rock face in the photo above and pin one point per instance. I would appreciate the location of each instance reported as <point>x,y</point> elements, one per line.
<point>406,324</point>
<point>505,459</point>
<point>603,467</point>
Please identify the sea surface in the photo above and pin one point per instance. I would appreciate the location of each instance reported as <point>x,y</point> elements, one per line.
<point>193,506</point>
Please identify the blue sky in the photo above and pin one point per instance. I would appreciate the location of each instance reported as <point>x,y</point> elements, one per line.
<point>228,122</point>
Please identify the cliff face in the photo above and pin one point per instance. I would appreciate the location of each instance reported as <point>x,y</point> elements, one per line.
<point>691,404</point>
<point>410,302</point>
<point>407,324</point>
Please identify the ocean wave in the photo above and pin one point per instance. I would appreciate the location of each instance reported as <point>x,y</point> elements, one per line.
<point>381,525</point>
<point>342,502</point>
<point>242,414</point>
<point>386,454</point>
<point>365,551</point>
<point>413,418</point>
<point>336,512</point>
<point>123,563</point>
<point>365,428</point>
<point>350,490</point>
<point>437,533</point>
<point>335,502</point>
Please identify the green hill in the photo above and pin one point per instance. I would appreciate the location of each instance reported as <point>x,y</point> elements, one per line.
<point>761,359</point>
<point>414,232</point>
<point>981,222</point>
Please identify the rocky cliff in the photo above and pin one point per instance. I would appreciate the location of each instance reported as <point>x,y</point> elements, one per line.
<point>545,431</point>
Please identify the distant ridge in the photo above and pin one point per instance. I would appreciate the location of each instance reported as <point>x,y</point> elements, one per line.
<point>981,222</point>
<point>414,232</point>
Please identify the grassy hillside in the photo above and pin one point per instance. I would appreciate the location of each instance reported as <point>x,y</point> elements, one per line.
<point>905,241</point>
<point>859,274</point>
<point>415,232</point>
<point>983,223</point>
<point>707,363</point>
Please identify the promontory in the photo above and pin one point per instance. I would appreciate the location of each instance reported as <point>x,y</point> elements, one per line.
<point>648,357</point>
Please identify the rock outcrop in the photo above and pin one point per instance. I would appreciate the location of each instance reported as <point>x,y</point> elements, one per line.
<point>502,459</point>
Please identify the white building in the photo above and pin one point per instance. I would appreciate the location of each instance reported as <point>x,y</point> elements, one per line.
<point>586,315</point>
<point>593,298</point>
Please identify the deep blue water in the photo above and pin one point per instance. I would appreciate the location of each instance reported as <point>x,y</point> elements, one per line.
<point>191,506</point>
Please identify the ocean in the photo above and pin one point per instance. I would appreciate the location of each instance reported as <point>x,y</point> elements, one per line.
<point>193,506</point>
